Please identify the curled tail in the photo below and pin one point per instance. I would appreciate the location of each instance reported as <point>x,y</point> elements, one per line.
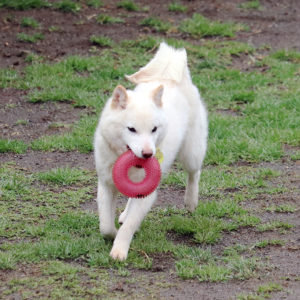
<point>168,64</point>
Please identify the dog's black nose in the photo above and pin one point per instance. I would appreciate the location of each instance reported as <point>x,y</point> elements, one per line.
<point>147,154</point>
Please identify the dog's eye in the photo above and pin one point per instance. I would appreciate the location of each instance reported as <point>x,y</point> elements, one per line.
<point>154,129</point>
<point>131,129</point>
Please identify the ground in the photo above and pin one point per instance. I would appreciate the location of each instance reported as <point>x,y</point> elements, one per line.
<point>243,240</point>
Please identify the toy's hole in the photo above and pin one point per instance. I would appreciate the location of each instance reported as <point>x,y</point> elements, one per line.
<point>136,174</point>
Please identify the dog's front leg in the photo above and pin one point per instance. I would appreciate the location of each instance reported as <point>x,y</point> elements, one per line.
<point>106,200</point>
<point>137,210</point>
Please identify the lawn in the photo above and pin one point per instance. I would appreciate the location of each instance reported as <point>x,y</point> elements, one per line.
<point>241,241</point>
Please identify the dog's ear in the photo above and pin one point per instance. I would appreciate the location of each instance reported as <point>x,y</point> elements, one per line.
<point>157,95</point>
<point>119,98</point>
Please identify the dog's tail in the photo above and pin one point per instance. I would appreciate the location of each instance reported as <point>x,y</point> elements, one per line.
<point>168,64</point>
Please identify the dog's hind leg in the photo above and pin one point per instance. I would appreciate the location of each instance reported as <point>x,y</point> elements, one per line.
<point>191,192</point>
<point>106,200</point>
<point>122,216</point>
<point>191,156</point>
<point>191,161</point>
<point>136,211</point>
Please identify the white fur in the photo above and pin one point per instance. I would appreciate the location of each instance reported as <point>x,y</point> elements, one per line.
<point>181,123</point>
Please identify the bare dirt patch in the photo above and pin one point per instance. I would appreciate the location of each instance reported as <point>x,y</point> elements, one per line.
<point>26,121</point>
<point>35,161</point>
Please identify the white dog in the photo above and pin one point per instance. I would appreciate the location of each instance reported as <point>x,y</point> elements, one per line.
<point>163,112</point>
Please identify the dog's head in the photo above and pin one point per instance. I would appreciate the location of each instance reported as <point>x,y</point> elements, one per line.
<point>135,120</point>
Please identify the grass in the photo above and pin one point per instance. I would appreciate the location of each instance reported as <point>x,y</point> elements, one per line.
<point>263,292</point>
<point>274,225</point>
<point>30,22</point>
<point>79,139</point>
<point>28,38</point>
<point>227,179</point>
<point>231,137</point>
<point>128,5</point>
<point>32,57</point>
<point>67,6</point>
<point>222,269</point>
<point>282,208</point>
<point>199,26</point>
<point>266,243</point>
<point>157,24</point>
<point>24,4</point>
<point>106,19</point>
<point>94,3</point>
<point>208,223</point>
<point>102,41</point>
<point>13,146</point>
<point>22,122</point>
<point>287,55</point>
<point>65,232</point>
<point>43,224</point>
<point>254,4</point>
<point>63,176</point>
<point>177,7</point>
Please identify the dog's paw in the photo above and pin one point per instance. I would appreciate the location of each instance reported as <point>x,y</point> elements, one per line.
<point>108,234</point>
<point>118,254</point>
<point>191,207</point>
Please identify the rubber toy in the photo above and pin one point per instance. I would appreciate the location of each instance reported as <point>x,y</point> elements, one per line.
<point>136,189</point>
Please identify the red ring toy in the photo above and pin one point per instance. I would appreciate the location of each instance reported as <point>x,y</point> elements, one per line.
<point>136,189</point>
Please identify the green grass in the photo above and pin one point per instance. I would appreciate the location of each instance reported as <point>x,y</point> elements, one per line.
<point>256,98</point>
<point>30,22</point>
<point>79,139</point>
<point>254,4</point>
<point>64,176</point>
<point>177,7</point>
<point>282,208</point>
<point>60,280</point>
<point>156,24</point>
<point>269,288</point>
<point>12,146</point>
<point>26,208</point>
<point>295,156</point>
<point>217,270</point>
<point>28,38</point>
<point>22,122</point>
<point>24,4</point>
<point>106,19</point>
<point>59,230</point>
<point>207,224</point>
<point>199,26</point>
<point>287,55</point>
<point>94,3</point>
<point>241,180</point>
<point>32,57</point>
<point>263,292</point>
<point>8,77</point>
<point>128,5</point>
<point>67,6</point>
<point>44,226</point>
<point>7,261</point>
<point>274,225</point>
<point>266,243</point>
<point>102,41</point>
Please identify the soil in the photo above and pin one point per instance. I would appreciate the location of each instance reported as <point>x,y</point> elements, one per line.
<point>276,24</point>
<point>21,120</point>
